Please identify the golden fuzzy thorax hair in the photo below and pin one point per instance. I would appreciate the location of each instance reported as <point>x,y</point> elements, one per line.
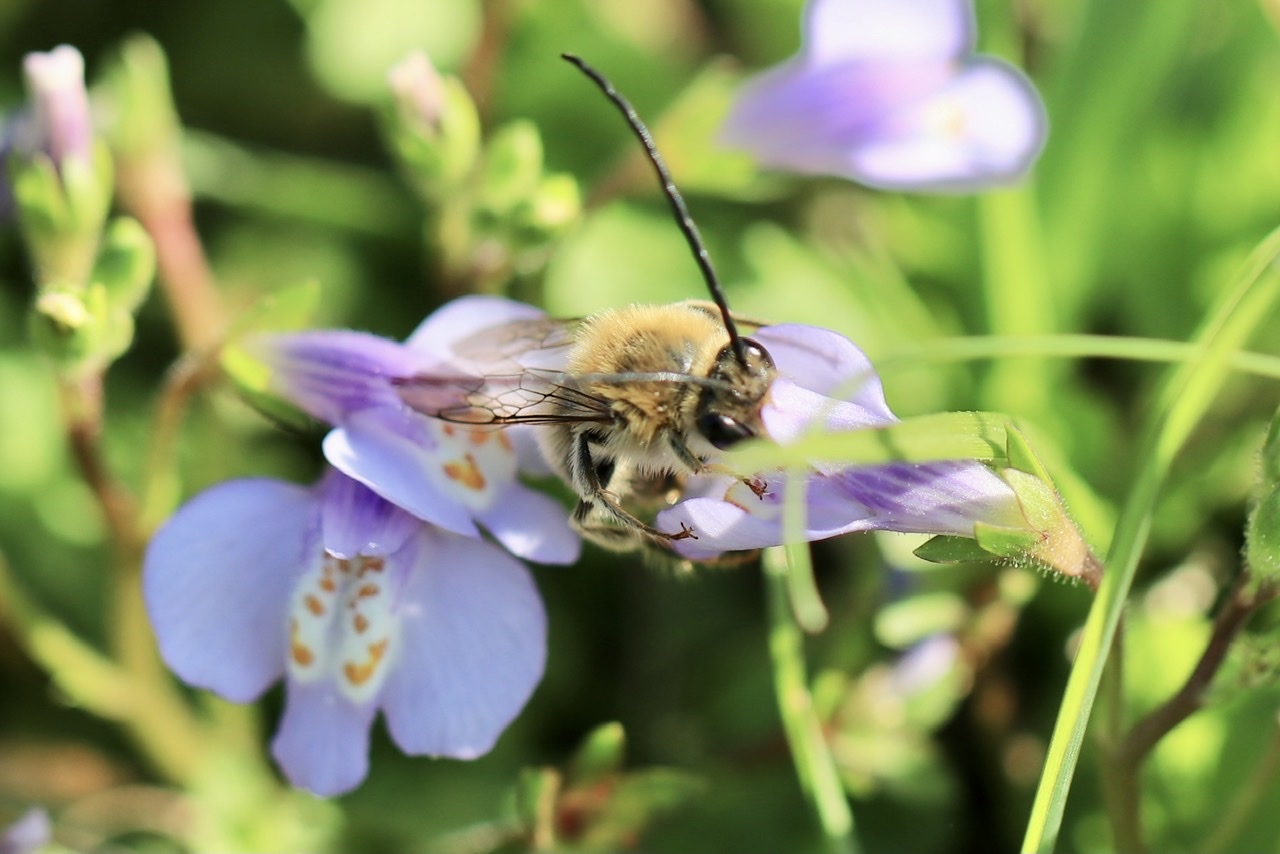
<point>646,339</point>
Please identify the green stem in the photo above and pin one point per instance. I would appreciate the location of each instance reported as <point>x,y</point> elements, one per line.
<point>170,738</point>
<point>1017,296</point>
<point>1186,396</point>
<point>814,763</point>
<point>1070,347</point>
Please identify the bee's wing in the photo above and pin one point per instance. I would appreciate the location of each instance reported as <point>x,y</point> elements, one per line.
<point>513,373</point>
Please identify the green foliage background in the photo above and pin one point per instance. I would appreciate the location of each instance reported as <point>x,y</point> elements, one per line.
<point>1161,172</point>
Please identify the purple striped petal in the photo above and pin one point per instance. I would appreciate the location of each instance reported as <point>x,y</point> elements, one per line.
<point>332,374</point>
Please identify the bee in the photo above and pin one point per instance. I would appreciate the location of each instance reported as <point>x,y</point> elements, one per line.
<point>640,398</point>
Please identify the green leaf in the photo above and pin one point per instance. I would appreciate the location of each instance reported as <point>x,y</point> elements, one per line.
<point>511,168</point>
<point>1021,456</point>
<point>1006,542</point>
<point>945,548</point>
<point>126,264</point>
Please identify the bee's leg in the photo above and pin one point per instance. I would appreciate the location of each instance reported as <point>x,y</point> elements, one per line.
<point>698,466</point>
<point>606,503</point>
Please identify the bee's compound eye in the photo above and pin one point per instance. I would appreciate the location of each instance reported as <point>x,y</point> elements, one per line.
<point>722,431</point>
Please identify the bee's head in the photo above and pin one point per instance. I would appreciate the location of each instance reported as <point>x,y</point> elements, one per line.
<point>729,408</point>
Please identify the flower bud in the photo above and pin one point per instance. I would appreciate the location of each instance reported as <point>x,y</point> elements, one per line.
<point>63,128</point>
<point>432,127</point>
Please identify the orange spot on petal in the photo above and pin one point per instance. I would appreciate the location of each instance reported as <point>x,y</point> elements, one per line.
<point>300,652</point>
<point>314,605</point>
<point>505,441</point>
<point>358,673</point>
<point>360,622</point>
<point>466,473</point>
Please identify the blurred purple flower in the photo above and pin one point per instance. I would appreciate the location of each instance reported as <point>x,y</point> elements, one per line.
<point>360,607</point>
<point>888,93</point>
<point>27,834</point>
<point>450,475</point>
<point>825,381</point>
<point>60,124</point>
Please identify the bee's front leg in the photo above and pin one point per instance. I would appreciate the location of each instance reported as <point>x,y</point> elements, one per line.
<point>701,466</point>
<point>588,483</point>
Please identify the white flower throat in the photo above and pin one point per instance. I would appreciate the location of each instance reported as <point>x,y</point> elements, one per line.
<point>342,625</point>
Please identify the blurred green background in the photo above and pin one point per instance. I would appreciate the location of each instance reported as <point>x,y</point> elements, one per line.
<point>1162,171</point>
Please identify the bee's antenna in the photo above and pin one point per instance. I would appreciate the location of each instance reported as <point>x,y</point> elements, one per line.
<point>677,203</point>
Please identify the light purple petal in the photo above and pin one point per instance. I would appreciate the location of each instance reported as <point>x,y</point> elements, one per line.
<point>840,31</point>
<point>473,647</point>
<point>323,740</point>
<point>356,521</point>
<point>386,451</point>
<point>30,832</point>
<point>332,373</point>
<point>791,411</point>
<point>462,318</point>
<point>808,120</point>
<point>825,362</point>
<point>986,126</point>
<point>217,580</point>
<point>532,525</point>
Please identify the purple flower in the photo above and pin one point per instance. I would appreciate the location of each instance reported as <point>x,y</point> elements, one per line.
<point>888,93</point>
<point>360,606</point>
<point>451,475</point>
<point>62,126</point>
<point>824,380</point>
<point>27,834</point>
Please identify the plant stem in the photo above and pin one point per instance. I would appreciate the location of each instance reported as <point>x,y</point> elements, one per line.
<point>1067,346</point>
<point>1231,619</point>
<point>814,763</point>
<point>1184,399</point>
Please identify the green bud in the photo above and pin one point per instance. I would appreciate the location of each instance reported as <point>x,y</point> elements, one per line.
<point>142,119</point>
<point>63,327</point>
<point>554,207</point>
<point>1051,538</point>
<point>601,755</point>
<point>432,127</point>
<point>61,214</point>
<point>126,265</point>
<point>512,168</point>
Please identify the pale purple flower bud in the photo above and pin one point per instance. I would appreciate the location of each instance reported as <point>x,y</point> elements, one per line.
<point>418,89</point>
<point>63,127</point>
